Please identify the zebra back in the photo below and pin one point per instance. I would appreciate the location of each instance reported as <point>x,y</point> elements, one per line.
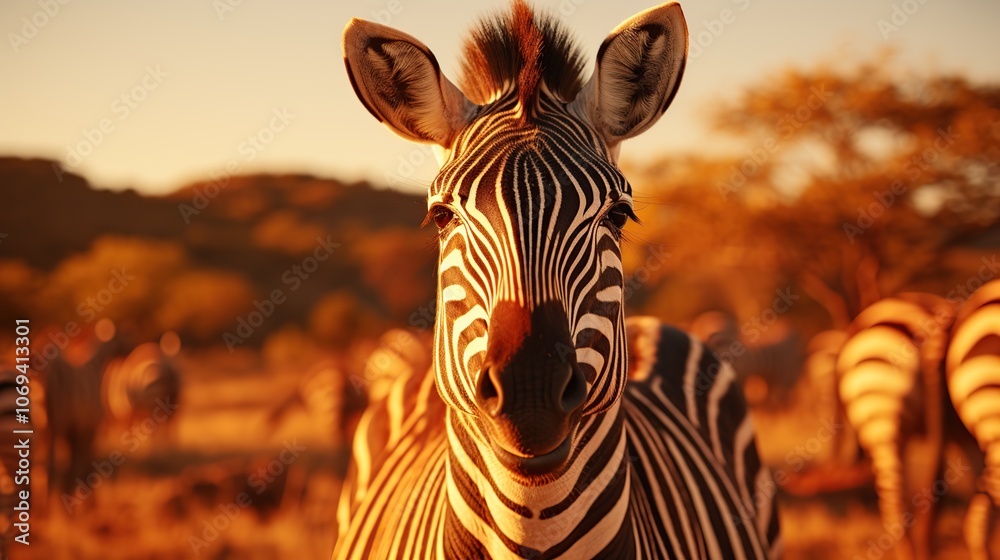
<point>400,386</point>
<point>678,389</point>
<point>889,369</point>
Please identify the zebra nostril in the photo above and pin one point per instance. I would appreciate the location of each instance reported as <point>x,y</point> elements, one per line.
<point>574,392</point>
<point>487,393</point>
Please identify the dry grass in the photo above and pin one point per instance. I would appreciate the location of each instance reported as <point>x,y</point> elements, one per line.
<point>167,492</point>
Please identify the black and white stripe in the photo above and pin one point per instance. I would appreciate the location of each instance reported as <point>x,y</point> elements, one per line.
<point>544,429</point>
<point>681,455</point>
<point>891,385</point>
<point>973,376</point>
<point>771,356</point>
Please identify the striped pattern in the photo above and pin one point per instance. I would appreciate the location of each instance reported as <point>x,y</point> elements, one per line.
<point>542,430</point>
<point>973,377</point>
<point>391,374</point>
<point>499,256</point>
<point>891,387</point>
<point>669,477</point>
<point>772,354</point>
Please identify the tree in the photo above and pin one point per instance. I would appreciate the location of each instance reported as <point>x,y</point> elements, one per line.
<point>852,185</point>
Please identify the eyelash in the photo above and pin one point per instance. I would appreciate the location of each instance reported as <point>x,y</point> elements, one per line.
<point>442,217</point>
<point>619,215</point>
<point>615,219</point>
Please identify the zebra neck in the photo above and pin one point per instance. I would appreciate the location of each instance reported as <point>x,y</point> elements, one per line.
<point>575,513</point>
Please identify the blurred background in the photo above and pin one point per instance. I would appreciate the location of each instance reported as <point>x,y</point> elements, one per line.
<point>209,234</point>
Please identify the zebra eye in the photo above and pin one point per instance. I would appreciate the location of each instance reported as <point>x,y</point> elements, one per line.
<point>619,215</point>
<point>441,216</point>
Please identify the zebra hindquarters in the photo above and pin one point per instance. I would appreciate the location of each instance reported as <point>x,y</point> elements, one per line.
<point>879,381</point>
<point>973,374</point>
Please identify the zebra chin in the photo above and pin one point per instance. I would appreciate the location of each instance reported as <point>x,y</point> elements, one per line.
<point>535,465</point>
<point>532,443</point>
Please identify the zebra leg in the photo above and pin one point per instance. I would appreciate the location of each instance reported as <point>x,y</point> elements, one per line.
<point>979,519</point>
<point>888,466</point>
<point>922,460</point>
<point>977,525</point>
<point>81,451</point>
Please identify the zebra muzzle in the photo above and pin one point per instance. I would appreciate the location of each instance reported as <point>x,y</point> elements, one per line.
<point>531,397</point>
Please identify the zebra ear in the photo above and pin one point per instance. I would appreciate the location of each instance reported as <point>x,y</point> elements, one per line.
<point>399,81</point>
<point>639,67</point>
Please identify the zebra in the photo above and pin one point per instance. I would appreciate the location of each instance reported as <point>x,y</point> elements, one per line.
<point>973,378</point>
<point>141,387</point>
<point>891,386</point>
<point>548,426</point>
<point>73,414</point>
<point>767,362</point>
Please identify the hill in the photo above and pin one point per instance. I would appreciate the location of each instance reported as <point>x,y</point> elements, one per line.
<point>211,248</point>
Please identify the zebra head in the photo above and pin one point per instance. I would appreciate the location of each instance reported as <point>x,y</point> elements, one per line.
<point>530,206</point>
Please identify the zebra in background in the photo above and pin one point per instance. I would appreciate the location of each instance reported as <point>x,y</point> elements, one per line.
<point>891,385</point>
<point>108,387</point>
<point>767,365</point>
<point>73,411</point>
<point>547,428</point>
<point>141,391</point>
<point>973,377</point>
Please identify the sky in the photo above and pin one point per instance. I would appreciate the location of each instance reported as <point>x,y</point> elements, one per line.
<point>154,95</point>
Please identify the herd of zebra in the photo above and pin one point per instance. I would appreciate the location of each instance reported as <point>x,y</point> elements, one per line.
<point>540,423</point>
<point>99,385</point>
<point>920,369</point>
<point>913,374</point>
<point>103,389</point>
<point>549,426</point>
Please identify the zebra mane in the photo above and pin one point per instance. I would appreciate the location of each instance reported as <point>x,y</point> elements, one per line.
<point>521,50</point>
